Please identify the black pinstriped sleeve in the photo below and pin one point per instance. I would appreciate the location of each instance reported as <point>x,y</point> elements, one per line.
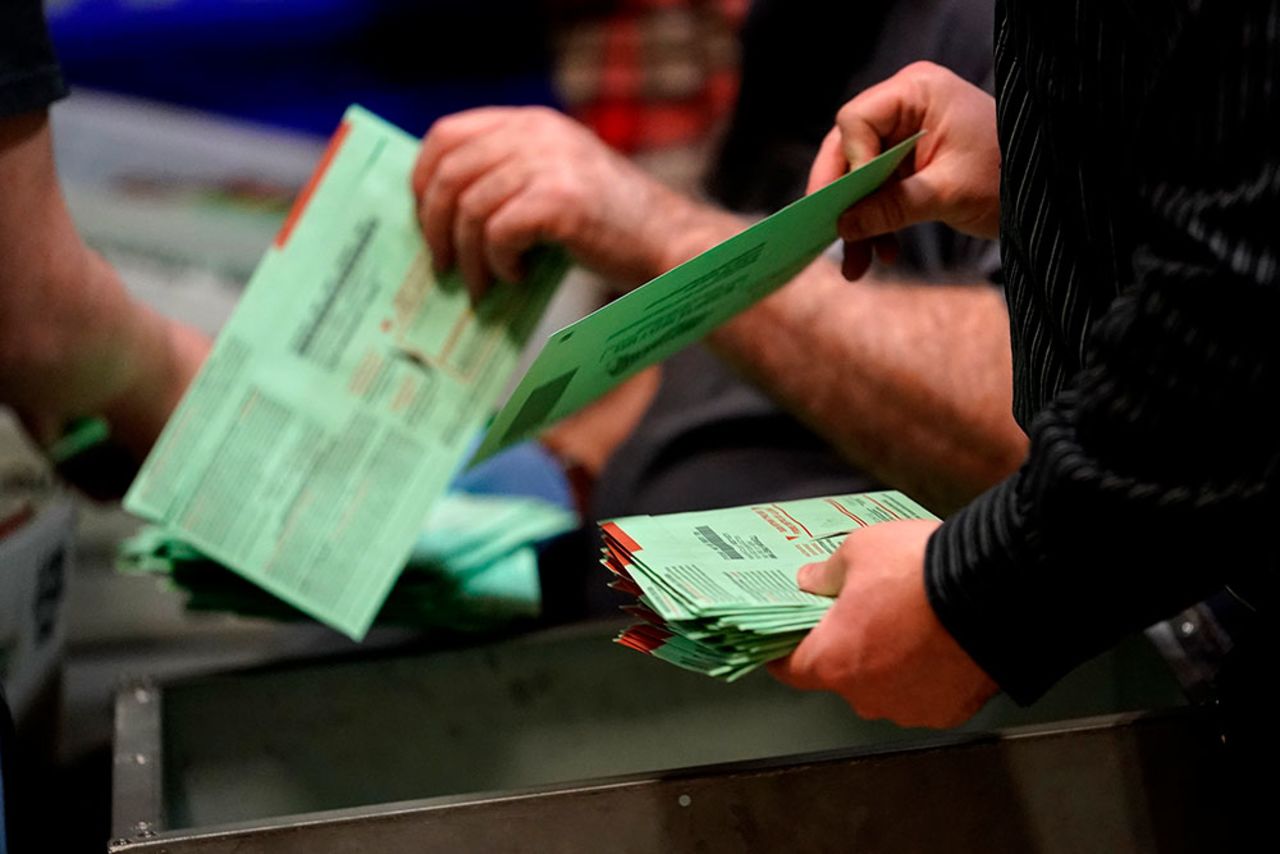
<point>1153,471</point>
<point>29,75</point>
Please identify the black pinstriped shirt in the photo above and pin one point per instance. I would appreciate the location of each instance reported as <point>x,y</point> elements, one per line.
<point>1140,211</point>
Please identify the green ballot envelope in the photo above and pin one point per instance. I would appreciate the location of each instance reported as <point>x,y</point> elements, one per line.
<point>343,394</point>
<point>716,590</point>
<point>588,358</point>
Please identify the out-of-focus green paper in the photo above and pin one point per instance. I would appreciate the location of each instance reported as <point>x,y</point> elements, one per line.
<point>466,533</point>
<point>341,397</point>
<point>586,359</point>
<point>474,567</point>
<point>717,589</point>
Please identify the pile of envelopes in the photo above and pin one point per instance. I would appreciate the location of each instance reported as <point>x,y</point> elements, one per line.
<point>716,590</point>
<point>474,567</point>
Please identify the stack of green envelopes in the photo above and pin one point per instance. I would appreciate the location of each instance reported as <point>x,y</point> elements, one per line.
<point>717,589</point>
<point>474,567</point>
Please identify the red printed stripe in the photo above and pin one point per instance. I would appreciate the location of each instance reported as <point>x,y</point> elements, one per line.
<point>300,204</point>
<point>645,637</point>
<point>837,505</point>
<point>626,585</point>
<point>643,613</point>
<point>620,537</point>
<point>618,569</point>
<point>793,519</point>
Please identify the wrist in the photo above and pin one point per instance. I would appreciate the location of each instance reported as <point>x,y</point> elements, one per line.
<point>165,356</point>
<point>683,229</point>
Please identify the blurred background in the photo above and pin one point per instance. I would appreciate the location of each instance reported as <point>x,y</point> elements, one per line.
<point>190,127</point>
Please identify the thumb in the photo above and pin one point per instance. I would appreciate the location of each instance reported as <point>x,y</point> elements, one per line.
<point>830,162</point>
<point>894,207</point>
<point>822,579</point>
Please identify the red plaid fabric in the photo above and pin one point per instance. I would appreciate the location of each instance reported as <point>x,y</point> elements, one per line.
<point>652,73</point>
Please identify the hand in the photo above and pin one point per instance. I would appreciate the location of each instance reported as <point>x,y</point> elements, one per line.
<point>954,176</point>
<point>881,647</point>
<point>493,182</point>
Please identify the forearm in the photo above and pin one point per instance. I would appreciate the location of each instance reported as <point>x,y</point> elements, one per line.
<point>99,353</point>
<point>909,381</point>
<point>161,358</point>
<point>73,342</point>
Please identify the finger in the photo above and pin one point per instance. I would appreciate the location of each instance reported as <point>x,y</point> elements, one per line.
<point>823,579</point>
<point>447,134</point>
<point>830,162</point>
<point>514,229</point>
<point>892,208</point>
<point>475,206</point>
<point>856,261</point>
<point>887,113</point>
<point>451,178</point>
<point>860,134</point>
<point>874,120</point>
<point>887,248</point>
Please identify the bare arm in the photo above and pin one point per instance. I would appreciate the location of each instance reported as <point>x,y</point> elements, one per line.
<point>72,341</point>
<point>909,381</point>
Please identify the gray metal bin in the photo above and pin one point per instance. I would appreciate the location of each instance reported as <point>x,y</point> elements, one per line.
<point>562,741</point>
